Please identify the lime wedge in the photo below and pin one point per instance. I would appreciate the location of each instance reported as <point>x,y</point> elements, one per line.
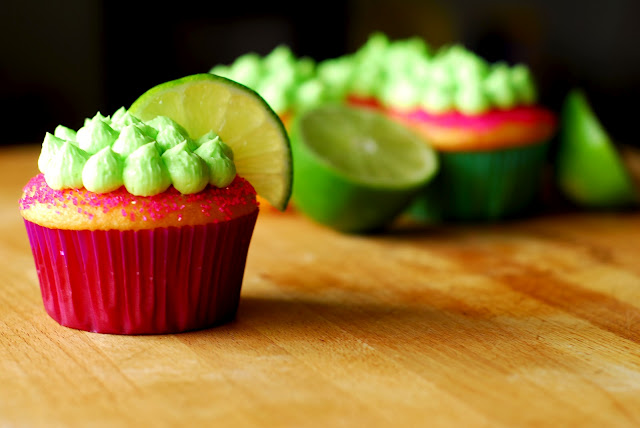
<point>356,170</point>
<point>590,171</point>
<point>242,119</point>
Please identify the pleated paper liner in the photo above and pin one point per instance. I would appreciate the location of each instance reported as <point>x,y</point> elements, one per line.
<point>483,185</point>
<point>153,281</point>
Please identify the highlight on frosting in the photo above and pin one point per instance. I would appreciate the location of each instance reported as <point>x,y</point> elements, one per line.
<point>109,152</point>
<point>406,74</point>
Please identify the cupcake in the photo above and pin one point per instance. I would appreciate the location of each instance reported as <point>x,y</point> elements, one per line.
<point>137,228</point>
<point>482,118</point>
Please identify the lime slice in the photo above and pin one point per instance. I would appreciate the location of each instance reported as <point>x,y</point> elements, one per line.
<point>356,170</point>
<point>590,170</point>
<point>242,119</point>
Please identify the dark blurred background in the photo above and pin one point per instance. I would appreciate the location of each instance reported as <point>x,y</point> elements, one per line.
<point>61,61</point>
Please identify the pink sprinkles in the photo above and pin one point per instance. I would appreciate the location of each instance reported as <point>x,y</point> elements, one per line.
<point>149,208</point>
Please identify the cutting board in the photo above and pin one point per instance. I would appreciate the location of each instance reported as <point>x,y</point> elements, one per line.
<point>529,323</point>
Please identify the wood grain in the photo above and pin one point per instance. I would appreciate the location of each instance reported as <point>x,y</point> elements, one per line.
<point>533,323</point>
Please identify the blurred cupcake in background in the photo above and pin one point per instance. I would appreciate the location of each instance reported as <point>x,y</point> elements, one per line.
<point>482,118</point>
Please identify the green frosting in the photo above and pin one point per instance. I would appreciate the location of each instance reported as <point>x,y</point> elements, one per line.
<point>103,172</point>
<point>436,99</point>
<point>188,171</point>
<point>162,122</point>
<point>64,169</point>
<point>309,94</point>
<point>98,116</point>
<point>499,87</point>
<point>367,83</point>
<point>221,168</point>
<point>218,144</point>
<point>145,157</point>
<point>469,69</point>
<point>123,119</point>
<point>115,117</point>
<point>145,174</point>
<point>50,146</point>
<point>439,74</point>
<point>335,72</point>
<point>211,135</point>
<point>400,93</point>
<point>524,85</point>
<point>131,138</point>
<point>65,133</point>
<point>170,137</point>
<point>396,72</point>
<point>471,99</point>
<point>247,69</point>
<point>95,135</point>
<point>275,76</point>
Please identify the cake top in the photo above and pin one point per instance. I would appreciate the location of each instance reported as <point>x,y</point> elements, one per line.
<point>80,209</point>
<point>403,73</point>
<point>147,158</point>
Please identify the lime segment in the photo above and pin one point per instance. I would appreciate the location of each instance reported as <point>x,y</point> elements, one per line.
<point>242,119</point>
<point>590,170</point>
<point>355,170</point>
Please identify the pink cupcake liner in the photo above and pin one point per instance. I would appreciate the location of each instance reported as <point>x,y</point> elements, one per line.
<point>151,281</point>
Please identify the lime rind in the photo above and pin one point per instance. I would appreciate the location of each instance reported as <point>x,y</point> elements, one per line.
<point>247,124</point>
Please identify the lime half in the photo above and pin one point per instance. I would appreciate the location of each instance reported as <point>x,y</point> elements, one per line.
<point>242,119</point>
<point>355,169</point>
<point>590,171</point>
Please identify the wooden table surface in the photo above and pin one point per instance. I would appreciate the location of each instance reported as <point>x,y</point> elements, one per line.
<point>527,323</point>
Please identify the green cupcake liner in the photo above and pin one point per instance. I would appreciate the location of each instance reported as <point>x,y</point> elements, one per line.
<point>482,185</point>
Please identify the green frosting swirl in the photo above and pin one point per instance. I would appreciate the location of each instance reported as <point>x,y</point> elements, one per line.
<point>103,172</point>
<point>247,69</point>
<point>65,133</point>
<point>145,174</point>
<point>524,85</point>
<point>169,137</point>
<point>64,169</point>
<point>309,94</point>
<point>163,122</point>
<point>50,146</point>
<point>188,171</point>
<point>131,138</point>
<point>206,137</point>
<point>499,87</point>
<point>471,99</point>
<point>117,115</point>
<point>121,121</point>
<point>437,100</point>
<point>124,119</point>
<point>400,93</point>
<point>145,157</point>
<point>98,116</point>
<point>222,170</point>
<point>95,136</point>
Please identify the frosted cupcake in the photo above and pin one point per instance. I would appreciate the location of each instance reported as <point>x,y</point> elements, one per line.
<point>482,118</point>
<point>136,228</point>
